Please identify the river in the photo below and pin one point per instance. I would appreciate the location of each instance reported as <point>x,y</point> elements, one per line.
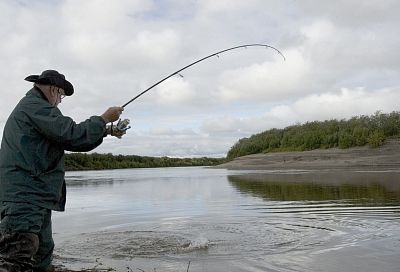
<point>204,219</point>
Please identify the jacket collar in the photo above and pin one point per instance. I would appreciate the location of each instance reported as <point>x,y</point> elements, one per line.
<point>38,93</point>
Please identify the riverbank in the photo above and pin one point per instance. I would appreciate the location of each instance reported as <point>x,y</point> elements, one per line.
<point>95,161</point>
<point>384,158</point>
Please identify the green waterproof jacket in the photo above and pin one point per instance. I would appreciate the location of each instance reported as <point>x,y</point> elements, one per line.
<point>32,151</point>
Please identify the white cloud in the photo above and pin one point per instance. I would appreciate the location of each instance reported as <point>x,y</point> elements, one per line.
<point>168,132</point>
<point>354,13</point>
<point>346,103</point>
<point>319,31</point>
<point>222,6</point>
<point>341,61</point>
<point>182,144</point>
<point>101,16</point>
<point>104,51</point>
<point>266,81</point>
<point>174,92</point>
<point>224,125</point>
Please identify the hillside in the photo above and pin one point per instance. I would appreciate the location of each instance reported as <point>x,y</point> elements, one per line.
<point>383,158</point>
<point>358,131</point>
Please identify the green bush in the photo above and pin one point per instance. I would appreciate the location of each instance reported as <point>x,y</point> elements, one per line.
<point>357,131</point>
<point>376,138</point>
<point>83,161</point>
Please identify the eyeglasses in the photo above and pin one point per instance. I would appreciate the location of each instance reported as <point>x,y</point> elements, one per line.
<point>61,94</point>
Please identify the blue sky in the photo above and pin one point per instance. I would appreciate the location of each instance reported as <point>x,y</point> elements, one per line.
<point>342,60</point>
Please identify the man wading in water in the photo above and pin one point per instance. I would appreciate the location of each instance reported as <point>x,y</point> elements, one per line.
<point>32,169</point>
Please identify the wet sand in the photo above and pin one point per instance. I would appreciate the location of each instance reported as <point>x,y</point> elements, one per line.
<point>384,158</point>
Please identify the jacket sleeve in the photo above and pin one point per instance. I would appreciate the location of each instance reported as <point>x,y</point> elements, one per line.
<point>85,136</point>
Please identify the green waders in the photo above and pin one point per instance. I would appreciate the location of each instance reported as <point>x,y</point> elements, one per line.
<point>26,241</point>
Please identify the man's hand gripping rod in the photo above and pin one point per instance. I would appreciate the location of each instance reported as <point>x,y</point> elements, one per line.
<point>120,128</point>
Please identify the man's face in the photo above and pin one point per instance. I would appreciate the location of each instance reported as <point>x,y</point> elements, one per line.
<point>56,95</point>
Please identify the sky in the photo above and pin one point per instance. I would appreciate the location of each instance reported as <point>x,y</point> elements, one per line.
<point>342,60</point>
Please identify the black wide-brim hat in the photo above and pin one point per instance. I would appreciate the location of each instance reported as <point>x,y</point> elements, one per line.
<point>52,77</point>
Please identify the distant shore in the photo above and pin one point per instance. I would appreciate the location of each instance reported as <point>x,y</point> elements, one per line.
<point>384,158</point>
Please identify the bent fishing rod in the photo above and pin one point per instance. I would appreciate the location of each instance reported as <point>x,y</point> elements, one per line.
<point>200,60</point>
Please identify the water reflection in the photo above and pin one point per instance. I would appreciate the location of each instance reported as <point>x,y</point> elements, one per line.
<point>79,181</point>
<point>160,219</point>
<point>375,188</point>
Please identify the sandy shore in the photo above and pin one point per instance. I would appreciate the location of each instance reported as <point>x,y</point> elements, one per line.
<point>384,158</point>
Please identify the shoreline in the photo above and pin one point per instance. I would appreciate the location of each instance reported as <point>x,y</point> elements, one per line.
<point>383,158</point>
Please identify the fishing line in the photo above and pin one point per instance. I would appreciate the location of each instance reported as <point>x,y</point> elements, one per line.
<point>199,60</point>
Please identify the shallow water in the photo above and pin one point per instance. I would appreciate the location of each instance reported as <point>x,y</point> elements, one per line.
<point>167,219</point>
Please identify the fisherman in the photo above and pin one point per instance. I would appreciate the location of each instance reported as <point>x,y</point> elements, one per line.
<point>32,169</point>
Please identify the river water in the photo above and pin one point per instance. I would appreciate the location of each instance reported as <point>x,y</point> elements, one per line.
<point>204,219</point>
